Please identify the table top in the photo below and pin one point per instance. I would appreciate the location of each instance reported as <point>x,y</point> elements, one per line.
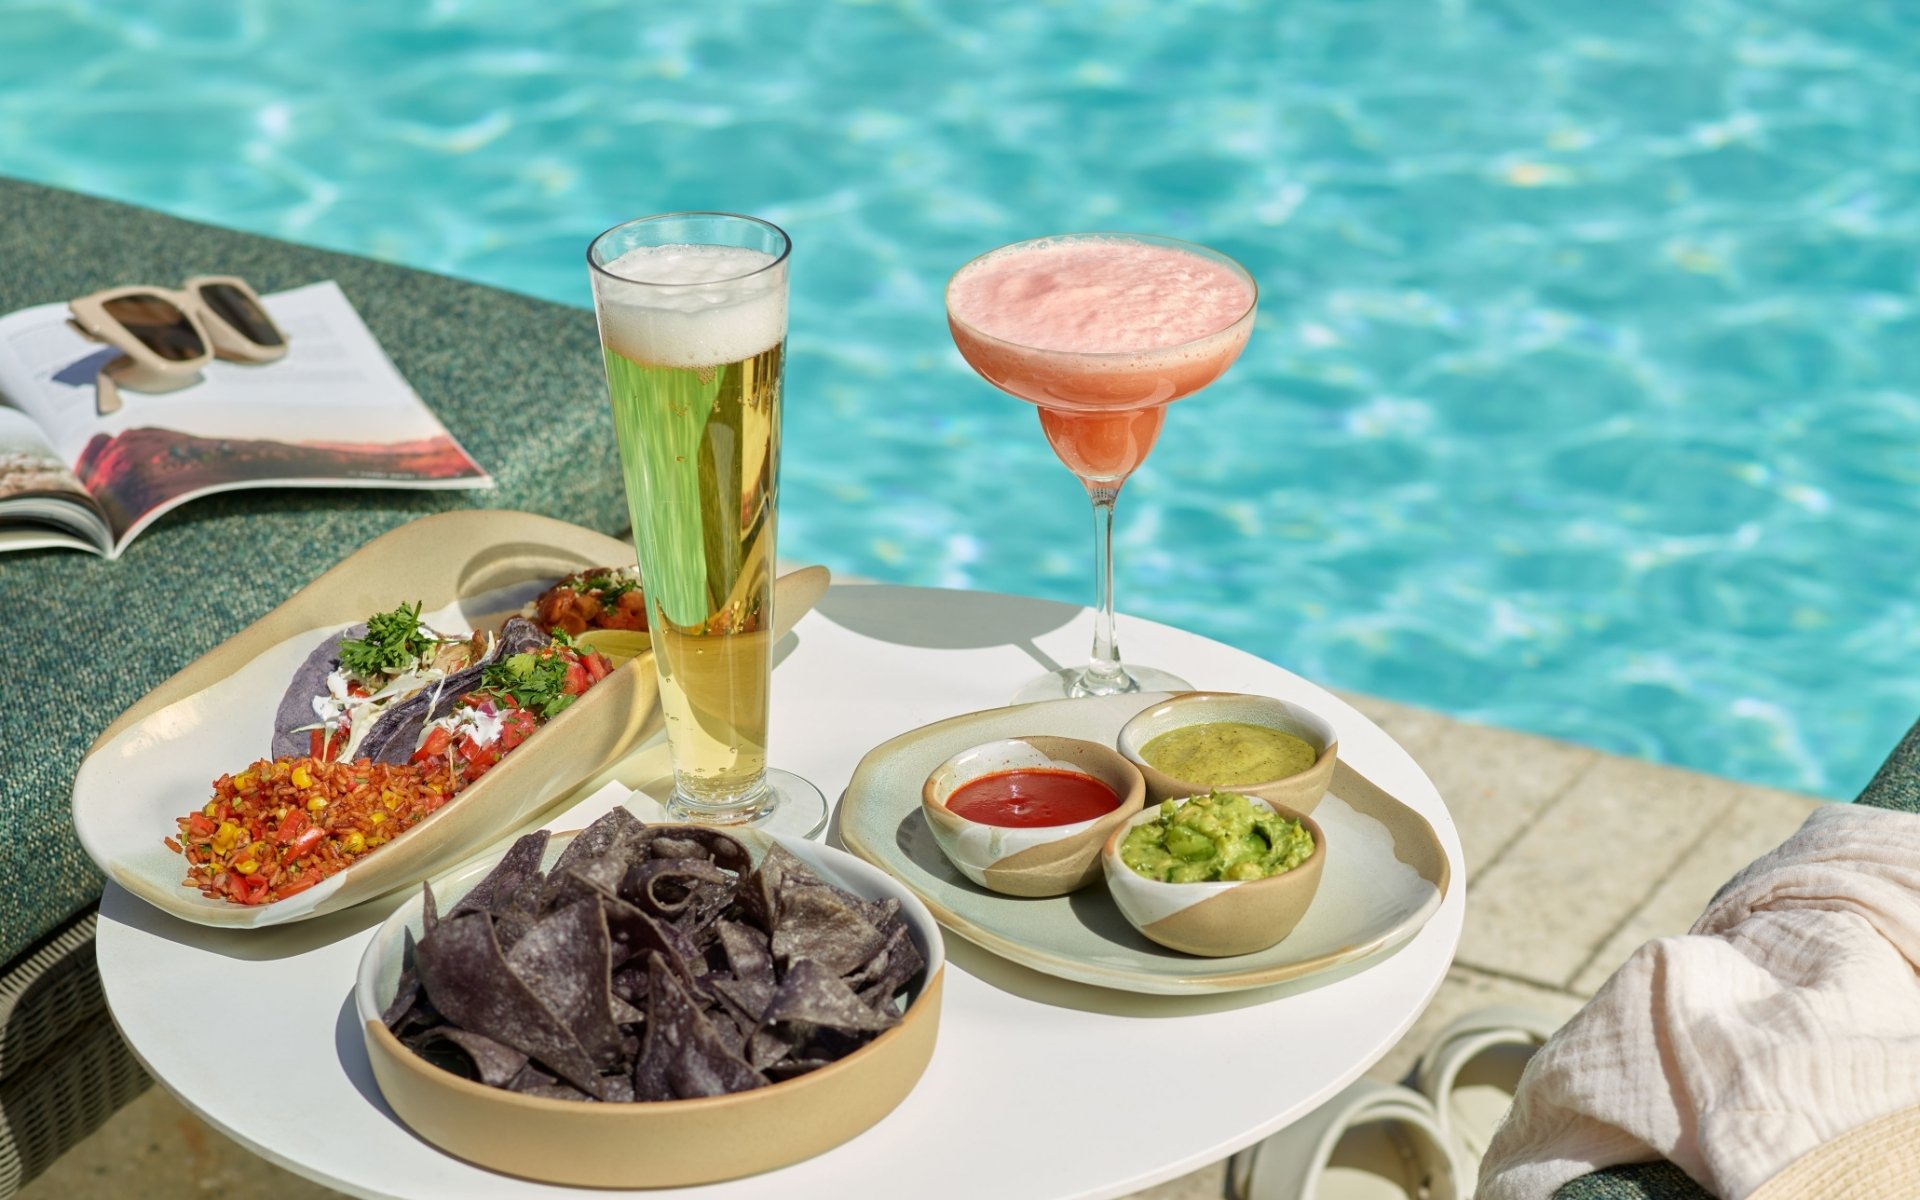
<point>1026,1095</point>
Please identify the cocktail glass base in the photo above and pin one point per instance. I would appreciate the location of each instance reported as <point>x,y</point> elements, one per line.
<point>1071,683</point>
<point>792,806</point>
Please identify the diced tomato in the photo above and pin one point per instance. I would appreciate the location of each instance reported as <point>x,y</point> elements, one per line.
<point>296,886</point>
<point>325,746</point>
<point>598,665</point>
<point>578,680</point>
<point>515,727</point>
<point>290,826</point>
<point>307,839</point>
<point>435,745</point>
<point>247,889</point>
<point>199,825</point>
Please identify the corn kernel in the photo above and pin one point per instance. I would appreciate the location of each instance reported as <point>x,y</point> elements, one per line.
<point>316,803</point>
<point>243,781</point>
<point>246,866</point>
<point>375,841</point>
<point>355,843</point>
<point>376,816</point>
<point>212,807</point>
<point>226,837</point>
<point>300,777</point>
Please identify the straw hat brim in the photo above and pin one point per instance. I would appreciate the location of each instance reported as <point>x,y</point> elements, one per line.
<point>1877,1161</point>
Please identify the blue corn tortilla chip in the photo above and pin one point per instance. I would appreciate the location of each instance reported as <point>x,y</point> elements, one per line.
<point>519,866</point>
<point>813,994</point>
<point>615,832</point>
<point>681,1051</point>
<point>566,960</point>
<point>816,924</point>
<point>467,977</point>
<point>494,1064</point>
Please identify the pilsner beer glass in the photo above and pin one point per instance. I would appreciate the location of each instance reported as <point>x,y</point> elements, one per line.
<point>693,329</point>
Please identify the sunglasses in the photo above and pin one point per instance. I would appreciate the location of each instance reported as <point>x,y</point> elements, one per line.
<point>165,337</point>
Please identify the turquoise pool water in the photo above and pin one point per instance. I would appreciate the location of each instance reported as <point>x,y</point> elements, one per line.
<point>1583,397</point>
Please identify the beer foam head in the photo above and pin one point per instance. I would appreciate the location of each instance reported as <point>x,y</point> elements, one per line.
<point>692,306</point>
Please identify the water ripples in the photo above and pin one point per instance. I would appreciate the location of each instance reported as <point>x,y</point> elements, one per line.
<point>1582,396</point>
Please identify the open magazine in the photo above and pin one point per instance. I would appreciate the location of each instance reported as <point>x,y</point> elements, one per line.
<point>333,413</point>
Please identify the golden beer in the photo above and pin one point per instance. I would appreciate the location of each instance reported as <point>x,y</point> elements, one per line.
<point>699,447</point>
<point>693,335</point>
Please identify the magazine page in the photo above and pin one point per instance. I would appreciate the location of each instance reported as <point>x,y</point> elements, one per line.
<point>41,501</point>
<point>334,412</point>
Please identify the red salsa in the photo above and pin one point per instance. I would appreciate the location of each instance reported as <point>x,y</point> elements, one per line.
<point>1031,797</point>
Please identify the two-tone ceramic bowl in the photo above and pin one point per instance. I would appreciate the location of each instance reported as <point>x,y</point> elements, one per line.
<point>1043,860</point>
<point>1300,791</point>
<point>661,1143</point>
<point>1215,920</point>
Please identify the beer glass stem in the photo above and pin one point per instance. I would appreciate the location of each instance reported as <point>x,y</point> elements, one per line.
<point>1104,675</point>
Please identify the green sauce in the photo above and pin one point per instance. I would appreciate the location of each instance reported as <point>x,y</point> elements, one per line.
<point>1225,753</point>
<point>1218,837</point>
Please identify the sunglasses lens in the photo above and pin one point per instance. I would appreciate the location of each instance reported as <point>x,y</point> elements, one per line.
<point>159,324</point>
<point>237,309</point>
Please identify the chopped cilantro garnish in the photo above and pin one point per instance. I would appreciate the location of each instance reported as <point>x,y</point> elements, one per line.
<point>536,680</point>
<point>608,588</point>
<point>394,643</point>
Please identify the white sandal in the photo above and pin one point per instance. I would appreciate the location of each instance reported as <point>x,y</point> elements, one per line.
<point>1374,1141</point>
<point>1471,1072</point>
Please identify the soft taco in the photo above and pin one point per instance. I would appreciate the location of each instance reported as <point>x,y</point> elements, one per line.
<point>358,690</point>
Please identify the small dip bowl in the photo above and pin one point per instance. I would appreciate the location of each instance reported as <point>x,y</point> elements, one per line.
<point>1301,791</point>
<point>1215,920</point>
<point>1045,860</point>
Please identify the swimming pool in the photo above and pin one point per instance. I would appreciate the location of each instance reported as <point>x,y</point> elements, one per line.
<point>1583,395</point>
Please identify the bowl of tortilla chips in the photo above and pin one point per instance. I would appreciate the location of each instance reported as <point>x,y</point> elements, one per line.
<point>651,1005</point>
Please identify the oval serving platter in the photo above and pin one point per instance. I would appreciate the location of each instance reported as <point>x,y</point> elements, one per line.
<point>1386,870</point>
<point>158,760</point>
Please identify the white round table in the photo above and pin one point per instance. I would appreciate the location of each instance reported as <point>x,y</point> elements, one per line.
<point>1038,1087</point>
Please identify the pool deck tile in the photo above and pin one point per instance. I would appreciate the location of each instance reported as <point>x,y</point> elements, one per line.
<point>1574,858</point>
<point>1759,820</point>
<point>1579,872</point>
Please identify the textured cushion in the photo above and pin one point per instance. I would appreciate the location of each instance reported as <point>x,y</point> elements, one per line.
<point>1896,786</point>
<point>517,380</point>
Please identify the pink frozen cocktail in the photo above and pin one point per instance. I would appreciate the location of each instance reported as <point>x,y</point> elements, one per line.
<point>1101,332</point>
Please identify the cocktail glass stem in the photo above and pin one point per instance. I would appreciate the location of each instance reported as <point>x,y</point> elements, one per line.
<point>1104,675</point>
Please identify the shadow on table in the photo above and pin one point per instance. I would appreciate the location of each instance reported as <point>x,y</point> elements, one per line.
<point>350,1045</point>
<point>941,619</point>
<point>251,945</point>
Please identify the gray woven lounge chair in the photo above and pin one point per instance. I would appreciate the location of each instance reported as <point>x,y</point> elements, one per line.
<point>518,382</point>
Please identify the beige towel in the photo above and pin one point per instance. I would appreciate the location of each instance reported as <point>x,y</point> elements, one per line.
<point>1789,1015</point>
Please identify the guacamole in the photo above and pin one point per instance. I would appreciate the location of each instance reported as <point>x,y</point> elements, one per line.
<point>1223,753</point>
<point>1213,838</point>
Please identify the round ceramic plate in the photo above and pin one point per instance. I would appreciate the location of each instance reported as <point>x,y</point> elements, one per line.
<point>1386,871</point>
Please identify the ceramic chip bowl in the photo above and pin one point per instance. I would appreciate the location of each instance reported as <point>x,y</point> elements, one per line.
<point>669,1143</point>
<point>1215,920</point>
<point>1300,792</point>
<point>1049,860</point>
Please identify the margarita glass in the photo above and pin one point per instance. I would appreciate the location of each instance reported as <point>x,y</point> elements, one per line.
<point>1101,332</point>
